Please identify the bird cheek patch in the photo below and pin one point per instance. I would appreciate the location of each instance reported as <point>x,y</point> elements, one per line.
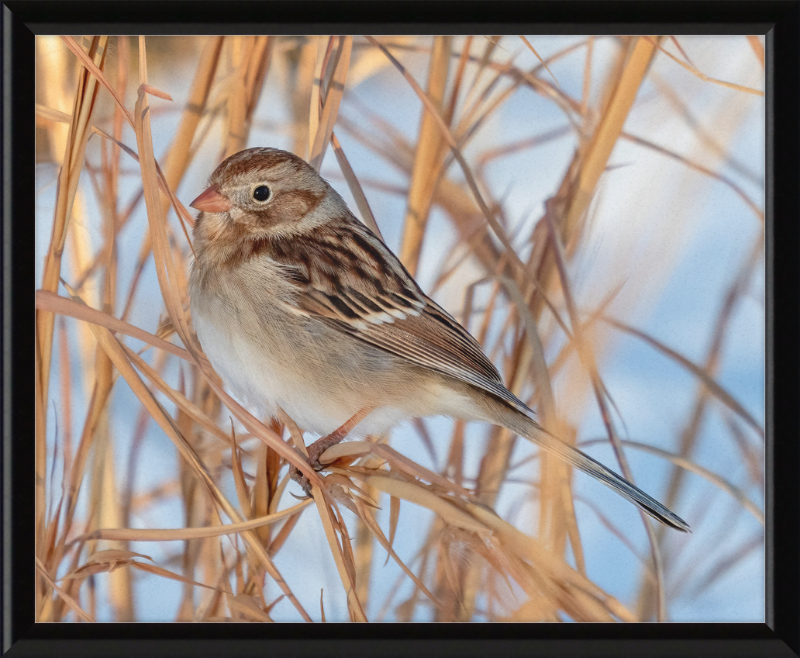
<point>290,207</point>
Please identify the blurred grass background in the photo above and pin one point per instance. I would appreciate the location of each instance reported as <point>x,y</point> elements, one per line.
<point>591,209</point>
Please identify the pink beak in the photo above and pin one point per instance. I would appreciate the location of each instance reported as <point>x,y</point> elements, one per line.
<point>211,201</point>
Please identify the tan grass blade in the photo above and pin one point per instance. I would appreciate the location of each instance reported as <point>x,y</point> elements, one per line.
<point>119,358</point>
<point>186,406</point>
<point>485,62</point>
<point>342,479</point>
<point>355,187</point>
<point>341,553</point>
<point>363,554</point>
<point>595,153</point>
<point>703,76</point>
<point>587,81</point>
<point>263,491</point>
<point>196,102</point>
<point>533,50</point>
<point>539,370</point>
<point>70,308</point>
<point>72,603</point>
<point>52,115</point>
<point>709,476</point>
<point>237,95</point>
<point>473,186</point>
<point>527,548</point>
<point>41,472</point>
<point>420,496</point>
<point>758,49</point>
<point>52,62</point>
<point>316,82</point>
<point>708,381</point>
<point>460,613</point>
<point>242,492</point>
<point>104,561</point>
<point>69,174</point>
<point>330,100</point>
<point>338,551</point>
<point>244,605</point>
<point>600,392</point>
<point>97,72</point>
<point>282,535</point>
<point>150,89</point>
<point>104,501</point>
<point>245,89</point>
<point>428,158</point>
<point>160,571</point>
<point>458,80</point>
<point>167,277</point>
<point>370,522</point>
<point>758,212</point>
<point>394,517</point>
<point>395,458</point>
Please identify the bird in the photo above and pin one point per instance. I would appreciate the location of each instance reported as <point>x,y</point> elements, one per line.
<point>304,312</point>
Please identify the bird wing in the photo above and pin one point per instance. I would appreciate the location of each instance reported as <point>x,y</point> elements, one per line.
<point>345,276</point>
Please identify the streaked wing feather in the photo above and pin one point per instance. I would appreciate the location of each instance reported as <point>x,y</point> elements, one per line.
<point>411,340</point>
<point>347,277</point>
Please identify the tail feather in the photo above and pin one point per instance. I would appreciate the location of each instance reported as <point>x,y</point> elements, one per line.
<point>526,427</point>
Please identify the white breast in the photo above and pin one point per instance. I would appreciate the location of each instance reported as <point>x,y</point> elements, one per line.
<point>269,357</point>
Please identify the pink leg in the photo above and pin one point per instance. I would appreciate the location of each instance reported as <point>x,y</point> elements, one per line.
<point>337,436</point>
<point>322,444</point>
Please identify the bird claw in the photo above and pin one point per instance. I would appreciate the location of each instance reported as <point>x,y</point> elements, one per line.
<point>313,459</point>
<point>304,483</point>
<point>315,450</point>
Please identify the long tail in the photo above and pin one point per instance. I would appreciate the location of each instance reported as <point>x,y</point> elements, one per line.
<point>518,422</point>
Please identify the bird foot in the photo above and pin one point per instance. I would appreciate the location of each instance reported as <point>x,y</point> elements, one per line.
<point>314,452</point>
<point>302,480</point>
<point>319,446</point>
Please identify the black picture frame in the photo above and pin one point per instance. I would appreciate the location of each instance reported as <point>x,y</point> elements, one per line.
<point>778,19</point>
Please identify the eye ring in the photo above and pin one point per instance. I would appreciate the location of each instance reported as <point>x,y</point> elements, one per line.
<point>261,193</point>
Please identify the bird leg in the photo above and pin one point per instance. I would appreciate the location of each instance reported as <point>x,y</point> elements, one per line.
<point>322,444</point>
<point>337,436</point>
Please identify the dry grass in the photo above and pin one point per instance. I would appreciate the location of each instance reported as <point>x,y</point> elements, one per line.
<point>550,339</point>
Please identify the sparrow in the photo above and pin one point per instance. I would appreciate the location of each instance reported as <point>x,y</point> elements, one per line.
<point>304,312</point>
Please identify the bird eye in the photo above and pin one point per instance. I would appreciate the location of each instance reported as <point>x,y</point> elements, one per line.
<point>261,193</point>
